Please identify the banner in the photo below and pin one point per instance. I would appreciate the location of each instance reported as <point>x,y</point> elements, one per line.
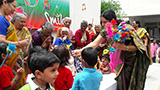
<point>40,11</point>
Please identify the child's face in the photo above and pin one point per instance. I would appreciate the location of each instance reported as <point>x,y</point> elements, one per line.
<point>50,74</point>
<point>64,33</point>
<point>105,61</point>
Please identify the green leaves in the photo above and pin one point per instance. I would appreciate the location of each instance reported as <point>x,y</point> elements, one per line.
<point>112,5</point>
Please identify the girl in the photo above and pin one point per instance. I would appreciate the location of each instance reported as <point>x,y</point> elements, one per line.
<point>105,68</point>
<point>64,80</point>
<point>7,81</point>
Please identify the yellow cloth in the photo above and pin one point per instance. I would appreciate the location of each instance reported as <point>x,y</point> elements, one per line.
<point>11,36</point>
<point>22,35</point>
<point>84,37</point>
<point>142,32</point>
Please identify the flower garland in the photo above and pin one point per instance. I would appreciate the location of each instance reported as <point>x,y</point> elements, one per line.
<point>119,34</point>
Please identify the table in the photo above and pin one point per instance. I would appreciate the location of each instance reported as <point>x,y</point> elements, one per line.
<point>108,82</point>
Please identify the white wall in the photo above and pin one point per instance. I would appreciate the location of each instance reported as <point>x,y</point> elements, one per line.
<point>140,7</point>
<point>92,12</point>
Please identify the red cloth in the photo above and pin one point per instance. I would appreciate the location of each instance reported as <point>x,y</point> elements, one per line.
<point>91,35</point>
<point>78,36</point>
<point>6,77</point>
<point>64,80</point>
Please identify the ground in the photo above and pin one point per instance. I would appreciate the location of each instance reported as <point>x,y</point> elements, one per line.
<point>153,77</point>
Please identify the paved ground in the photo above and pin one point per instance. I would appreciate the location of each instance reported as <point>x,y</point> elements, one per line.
<point>153,77</point>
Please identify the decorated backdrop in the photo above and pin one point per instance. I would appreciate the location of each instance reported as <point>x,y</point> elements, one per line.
<point>40,11</point>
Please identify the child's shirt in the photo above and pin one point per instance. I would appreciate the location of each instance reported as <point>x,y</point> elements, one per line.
<point>88,79</point>
<point>6,77</point>
<point>64,80</point>
<point>60,42</point>
<point>30,85</point>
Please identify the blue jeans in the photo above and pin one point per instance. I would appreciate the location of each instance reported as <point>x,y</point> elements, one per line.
<point>154,59</point>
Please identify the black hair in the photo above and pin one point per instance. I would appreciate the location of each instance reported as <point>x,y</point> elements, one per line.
<point>106,56</point>
<point>89,24</point>
<point>8,1</point>
<point>63,54</point>
<point>42,60</point>
<point>33,50</point>
<point>138,22</point>
<point>89,55</point>
<point>109,15</point>
<point>3,47</point>
<point>119,21</point>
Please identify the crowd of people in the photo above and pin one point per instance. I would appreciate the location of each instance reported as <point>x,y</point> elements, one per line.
<point>71,61</point>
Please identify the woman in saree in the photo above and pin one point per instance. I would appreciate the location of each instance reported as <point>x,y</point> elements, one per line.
<point>7,30</point>
<point>19,20</point>
<point>143,34</point>
<point>131,73</point>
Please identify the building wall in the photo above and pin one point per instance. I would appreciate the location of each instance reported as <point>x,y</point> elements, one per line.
<point>91,12</point>
<point>146,11</point>
<point>140,7</point>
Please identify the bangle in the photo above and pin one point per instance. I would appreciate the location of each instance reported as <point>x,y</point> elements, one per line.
<point>127,48</point>
<point>14,80</point>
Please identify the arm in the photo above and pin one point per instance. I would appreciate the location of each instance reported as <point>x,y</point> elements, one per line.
<point>15,79</point>
<point>123,47</point>
<point>146,41</point>
<point>18,43</point>
<point>94,44</point>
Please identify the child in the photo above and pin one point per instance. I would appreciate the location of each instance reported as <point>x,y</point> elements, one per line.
<point>33,50</point>
<point>7,79</point>
<point>64,80</point>
<point>44,66</point>
<point>105,68</point>
<point>63,39</point>
<point>89,78</point>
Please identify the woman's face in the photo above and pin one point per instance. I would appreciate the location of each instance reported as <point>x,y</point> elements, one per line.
<point>97,28</point>
<point>10,8</point>
<point>67,23</point>
<point>20,23</point>
<point>104,21</point>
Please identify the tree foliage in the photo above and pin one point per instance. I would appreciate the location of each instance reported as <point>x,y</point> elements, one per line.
<point>112,5</point>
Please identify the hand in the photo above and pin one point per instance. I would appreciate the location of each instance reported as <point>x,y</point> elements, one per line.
<point>120,46</point>
<point>77,52</point>
<point>20,71</point>
<point>25,60</point>
<point>48,40</point>
<point>24,42</point>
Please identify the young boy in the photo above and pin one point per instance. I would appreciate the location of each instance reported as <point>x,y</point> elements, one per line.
<point>89,78</point>
<point>44,66</point>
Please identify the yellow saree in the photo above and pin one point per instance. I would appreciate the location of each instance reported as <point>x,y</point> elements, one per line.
<point>11,36</point>
<point>22,35</point>
<point>142,33</point>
